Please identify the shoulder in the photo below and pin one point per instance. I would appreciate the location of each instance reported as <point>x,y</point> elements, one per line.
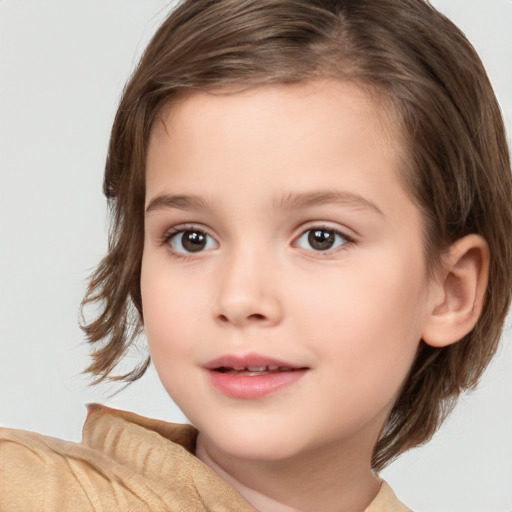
<point>125,462</point>
<point>43,473</point>
<point>36,471</point>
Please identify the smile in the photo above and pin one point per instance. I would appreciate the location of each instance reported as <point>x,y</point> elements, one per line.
<point>252,376</point>
<point>255,370</point>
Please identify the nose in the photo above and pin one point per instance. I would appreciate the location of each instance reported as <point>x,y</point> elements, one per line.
<point>248,292</point>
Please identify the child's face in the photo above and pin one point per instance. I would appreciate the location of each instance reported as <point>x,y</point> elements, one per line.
<point>278,234</point>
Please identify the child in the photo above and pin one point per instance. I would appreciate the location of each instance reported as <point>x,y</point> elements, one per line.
<point>312,204</point>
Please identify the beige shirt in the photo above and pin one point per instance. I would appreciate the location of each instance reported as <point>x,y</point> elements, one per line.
<point>125,463</point>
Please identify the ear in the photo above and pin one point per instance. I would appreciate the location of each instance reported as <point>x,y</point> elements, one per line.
<point>458,292</point>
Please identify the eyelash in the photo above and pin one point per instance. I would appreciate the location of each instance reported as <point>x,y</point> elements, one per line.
<point>347,240</point>
<point>176,231</point>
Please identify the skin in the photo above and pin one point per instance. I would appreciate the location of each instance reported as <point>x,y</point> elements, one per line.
<point>352,314</point>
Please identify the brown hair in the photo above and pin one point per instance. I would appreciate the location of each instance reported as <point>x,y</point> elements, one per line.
<point>458,168</point>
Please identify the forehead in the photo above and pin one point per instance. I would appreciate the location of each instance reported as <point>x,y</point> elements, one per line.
<point>293,138</point>
<point>320,95</point>
<point>316,112</point>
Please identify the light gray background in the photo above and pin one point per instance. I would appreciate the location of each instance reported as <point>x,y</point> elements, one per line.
<point>62,68</point>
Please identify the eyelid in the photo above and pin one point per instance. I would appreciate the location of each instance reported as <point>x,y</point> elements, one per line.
<point>346,232</point>
<point>186,226</point>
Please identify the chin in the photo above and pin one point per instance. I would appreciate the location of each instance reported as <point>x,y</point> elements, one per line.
<point>254,441</point>
<point>264,450</point>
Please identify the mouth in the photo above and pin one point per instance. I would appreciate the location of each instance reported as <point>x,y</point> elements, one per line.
<point>252,376</point>
<point>253,371</point>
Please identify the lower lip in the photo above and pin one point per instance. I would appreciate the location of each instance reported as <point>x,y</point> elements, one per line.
<point>251,387</point>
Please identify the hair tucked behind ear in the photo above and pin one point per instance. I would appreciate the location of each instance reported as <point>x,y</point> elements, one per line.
<point>457,167</point>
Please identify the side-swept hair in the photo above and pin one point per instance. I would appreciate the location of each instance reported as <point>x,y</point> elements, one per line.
<point>457,169</point>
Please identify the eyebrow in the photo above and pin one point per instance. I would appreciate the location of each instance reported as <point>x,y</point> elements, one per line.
<point>179,202</point>
<point>288,201</point>
<point>321,197</point>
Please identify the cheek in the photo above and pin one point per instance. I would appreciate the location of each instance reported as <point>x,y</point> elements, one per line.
<point>368,319</point>
<point>169,327</point>
<point>171,313</point>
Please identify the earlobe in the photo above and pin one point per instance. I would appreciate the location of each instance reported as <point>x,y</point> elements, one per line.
<point>460,287</point>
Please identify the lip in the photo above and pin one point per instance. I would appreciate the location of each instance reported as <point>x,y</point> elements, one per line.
<point>252,359</point>
<point>234,376</point>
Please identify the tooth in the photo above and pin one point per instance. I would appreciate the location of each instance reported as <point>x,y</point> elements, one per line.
<point>256,368</point>
<point>273,368</point>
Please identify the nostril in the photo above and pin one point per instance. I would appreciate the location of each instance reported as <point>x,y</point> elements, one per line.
<point>256,316</point>
<point>246,310</point>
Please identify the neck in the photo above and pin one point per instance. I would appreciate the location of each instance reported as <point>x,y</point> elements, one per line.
<point>330,478</point>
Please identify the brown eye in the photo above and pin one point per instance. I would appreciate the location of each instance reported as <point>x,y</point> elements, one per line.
<point>321,239</point>
<point>192,241</point>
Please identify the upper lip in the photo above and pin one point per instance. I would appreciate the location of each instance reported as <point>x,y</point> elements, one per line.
<point>239,362</point>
